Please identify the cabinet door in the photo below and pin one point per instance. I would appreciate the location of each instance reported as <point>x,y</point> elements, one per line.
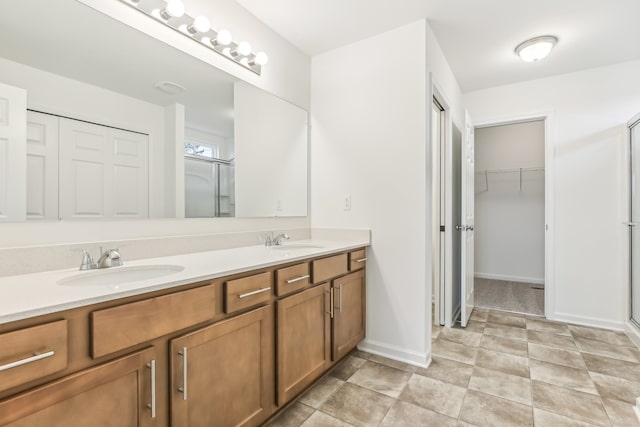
<point>223,375</point>
<point>349,313</point>
<point>303,340</point>
<point>115,394</point>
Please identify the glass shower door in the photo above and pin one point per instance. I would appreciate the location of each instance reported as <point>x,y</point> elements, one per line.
<point>634,224</point>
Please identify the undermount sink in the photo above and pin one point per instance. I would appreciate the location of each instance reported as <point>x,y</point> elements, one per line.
<point>116,276</point>
<point>295,246</point>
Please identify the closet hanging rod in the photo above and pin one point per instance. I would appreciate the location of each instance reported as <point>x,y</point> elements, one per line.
<point>514,170</point>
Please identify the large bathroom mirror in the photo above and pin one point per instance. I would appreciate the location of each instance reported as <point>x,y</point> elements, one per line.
<point>121,125</point>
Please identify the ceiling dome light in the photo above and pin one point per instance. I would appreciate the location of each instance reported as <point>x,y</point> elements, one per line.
<point>536,48</point>
<point>223,38</point>
<point>200,24</point>
<point>173,9</point>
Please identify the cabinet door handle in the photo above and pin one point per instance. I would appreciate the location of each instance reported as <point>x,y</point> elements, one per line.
<point>248,294</point>
<point>340,289</point>
<point>183,389</point>
<point>330,312</point>
<point>26,360</point>
<point>152,405</point>
<point>297,279</point>
<point>361,260</point>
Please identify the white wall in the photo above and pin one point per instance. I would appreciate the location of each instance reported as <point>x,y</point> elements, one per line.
<point>589,111</point>
<point>369,136</point>
<point>509,219</point>
<point>271,154</point>
<point>50,93</point>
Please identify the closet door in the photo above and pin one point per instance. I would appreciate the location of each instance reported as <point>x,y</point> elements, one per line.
<point>42,166</point>
<point>104,172</point>
<point>634,224</point>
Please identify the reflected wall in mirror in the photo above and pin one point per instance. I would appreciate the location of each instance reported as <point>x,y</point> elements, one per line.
<point>121,125</point>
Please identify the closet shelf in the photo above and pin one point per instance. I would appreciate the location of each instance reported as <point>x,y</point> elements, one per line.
<point>519,171</point>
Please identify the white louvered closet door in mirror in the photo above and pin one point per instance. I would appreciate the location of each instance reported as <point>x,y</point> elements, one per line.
<point>104,172</point>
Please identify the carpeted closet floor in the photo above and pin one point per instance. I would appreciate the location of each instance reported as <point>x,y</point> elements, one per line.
<point>519,297</point>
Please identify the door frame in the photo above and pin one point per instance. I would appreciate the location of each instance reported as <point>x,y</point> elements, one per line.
<point>549,194</point>
<point>633,331</point>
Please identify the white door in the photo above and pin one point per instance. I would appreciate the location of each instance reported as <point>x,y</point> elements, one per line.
<point>42,166</point>
<point>104,172</point>
<point>13,153</point>
<point>467,208</point>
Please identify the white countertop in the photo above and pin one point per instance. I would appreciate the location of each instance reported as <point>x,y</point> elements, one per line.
<point>30,295</point>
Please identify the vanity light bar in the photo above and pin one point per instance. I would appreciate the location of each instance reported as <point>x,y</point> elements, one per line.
<point>172,14</point>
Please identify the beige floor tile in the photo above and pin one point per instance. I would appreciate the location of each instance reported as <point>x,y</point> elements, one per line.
<point>506,331</point>
<point>403,414</point>
<point>573,404</point>
<point>621,414</point>
<point>507,363</point>
<point>435,331</point>
<point>460,336</point>
<point>506,319</point>
<point>448,371</point>
<point>293,416</point>
<point>549,419</point>
<point>474,326</point>
<point>484,410</point>
<point>499,384</point>
<point>616,388</point>
<point>564,376</point>
<point>548,326</point>
<point>572,359</point>
<point>454,351</point>
<point>435,395</point>
<point>361,354</point>
<point>381,378</point>
<point>604,335</point>
<point>357,405</point>
<point>479,315</point>
<point>321,391</point>
<point>603,349</point>
<point>320,419</point>
<point>504,345</point>
<point>393,363</point>
<point>551,340</point>
<point>347,367</point>
<point>507,312</point>
<point>613,367</point>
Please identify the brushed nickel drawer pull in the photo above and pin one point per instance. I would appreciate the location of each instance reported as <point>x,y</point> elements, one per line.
<point>259,291</point>
<point>27,360</point>
<point>361,260</point>
<point>331,303</point>
<point>340,306</point>
<point>183,389</point>
<point>152,405</point>
<point>297,279</point>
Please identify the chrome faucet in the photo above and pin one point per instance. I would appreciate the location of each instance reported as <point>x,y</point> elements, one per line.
<point>108,258</point>
<point>275,241</point>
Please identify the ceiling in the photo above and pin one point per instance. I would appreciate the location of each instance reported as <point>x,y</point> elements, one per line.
<point>478,37</point>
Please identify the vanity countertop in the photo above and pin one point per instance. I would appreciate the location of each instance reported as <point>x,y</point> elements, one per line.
<point>35,294</point>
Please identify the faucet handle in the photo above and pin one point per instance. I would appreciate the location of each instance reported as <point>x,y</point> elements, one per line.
<point>116,259</point>
<point>87,261</point>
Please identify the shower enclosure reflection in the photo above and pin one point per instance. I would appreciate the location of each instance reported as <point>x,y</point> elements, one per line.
<point>209,187</point>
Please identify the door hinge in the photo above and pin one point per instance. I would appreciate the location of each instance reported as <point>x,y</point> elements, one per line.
<point>442,228</point>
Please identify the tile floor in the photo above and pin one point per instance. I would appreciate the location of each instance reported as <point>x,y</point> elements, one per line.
<point>505,369</point>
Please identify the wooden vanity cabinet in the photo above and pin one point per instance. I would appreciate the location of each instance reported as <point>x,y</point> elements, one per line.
<point>222,375</point>
<point>304,340</point>
<point>348,313</point>
<point>118,393</point>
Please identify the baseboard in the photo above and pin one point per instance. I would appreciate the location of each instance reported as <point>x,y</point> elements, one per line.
<point>589,321</point>
<point>509,278</point>
<point>633,333</point>
<point>396,353</point>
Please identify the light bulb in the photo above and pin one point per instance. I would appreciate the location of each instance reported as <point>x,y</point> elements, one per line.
<point>244,48</point>
<point>223,38</point>
<point>261,58</point>
<point>200,25</point>
<point>173,9</point>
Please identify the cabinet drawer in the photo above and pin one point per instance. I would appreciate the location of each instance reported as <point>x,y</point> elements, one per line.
<point>357,259</point>
<point>292,278</point>
<point>117,328</point>
<point>247,292</point>
<point>327,268</point>
<point>32,353</point>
